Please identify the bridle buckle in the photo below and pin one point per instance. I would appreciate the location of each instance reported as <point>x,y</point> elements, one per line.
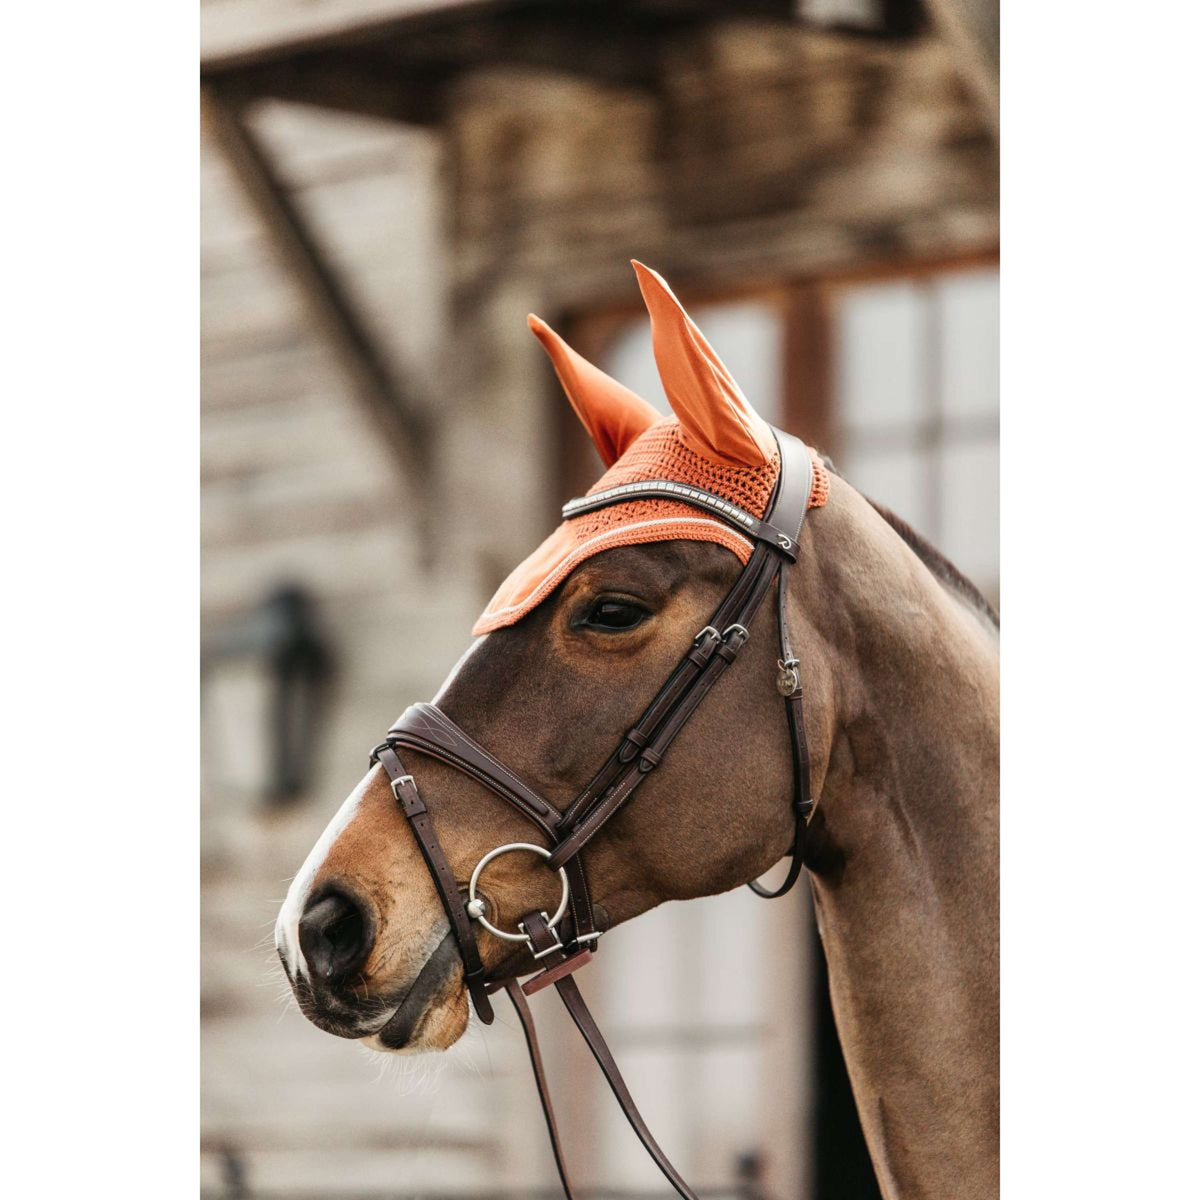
<point>556,945</point>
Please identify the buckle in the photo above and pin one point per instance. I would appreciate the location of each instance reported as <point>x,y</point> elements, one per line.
<point>708,630</point>
<point>398,784</point>
<point>553,932</point>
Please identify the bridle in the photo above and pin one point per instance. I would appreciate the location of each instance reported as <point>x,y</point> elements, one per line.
<point>562,942</point>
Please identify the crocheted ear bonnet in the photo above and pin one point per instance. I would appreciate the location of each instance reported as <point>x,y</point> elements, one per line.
<point>715,441</point>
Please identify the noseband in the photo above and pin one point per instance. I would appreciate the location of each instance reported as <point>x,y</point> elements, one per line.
<point>562,942</point>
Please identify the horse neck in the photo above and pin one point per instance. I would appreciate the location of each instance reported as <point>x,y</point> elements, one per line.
<point>906,884</point>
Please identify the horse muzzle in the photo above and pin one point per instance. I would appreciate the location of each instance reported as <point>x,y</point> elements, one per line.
<point>330,979</point>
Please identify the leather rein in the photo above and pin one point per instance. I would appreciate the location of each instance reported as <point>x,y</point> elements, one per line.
<point>562,942</point>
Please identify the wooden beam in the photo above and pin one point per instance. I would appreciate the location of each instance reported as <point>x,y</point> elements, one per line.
<point>387,395</point>
<point>243,32</point>
<point>350,81</point>
<point>972,30</point>
<point>808,384</point>
<point>404,79</point>
<point>239,34</point>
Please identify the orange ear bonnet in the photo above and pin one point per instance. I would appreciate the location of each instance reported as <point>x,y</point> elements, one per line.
<point>715,442</point>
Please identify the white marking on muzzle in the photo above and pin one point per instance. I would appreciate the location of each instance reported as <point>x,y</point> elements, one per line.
<point>287,927</point>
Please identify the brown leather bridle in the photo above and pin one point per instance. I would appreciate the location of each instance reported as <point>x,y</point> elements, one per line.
<point>563,942</point>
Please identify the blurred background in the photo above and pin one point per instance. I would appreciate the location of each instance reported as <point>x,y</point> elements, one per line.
<point>388,188</point>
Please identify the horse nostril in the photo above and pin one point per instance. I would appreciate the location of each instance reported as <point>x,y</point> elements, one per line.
<point>334,937</point>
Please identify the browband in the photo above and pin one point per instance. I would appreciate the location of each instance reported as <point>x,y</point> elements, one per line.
<point>666,489</point>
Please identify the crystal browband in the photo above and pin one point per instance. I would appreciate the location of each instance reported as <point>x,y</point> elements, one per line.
<point>666,489</point>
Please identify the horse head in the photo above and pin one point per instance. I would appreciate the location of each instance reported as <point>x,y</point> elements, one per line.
<point>575,645</point>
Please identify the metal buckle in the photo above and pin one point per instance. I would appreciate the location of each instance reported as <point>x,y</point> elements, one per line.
<point>476,907</point>
<point>549,949</point>
<point>707,629</point>
<point>745,632</point>
<point>397,784</point>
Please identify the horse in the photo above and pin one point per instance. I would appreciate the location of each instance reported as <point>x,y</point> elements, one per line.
<point>899,657</point>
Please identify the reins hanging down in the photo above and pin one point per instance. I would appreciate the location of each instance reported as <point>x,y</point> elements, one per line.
<point>561,943</point>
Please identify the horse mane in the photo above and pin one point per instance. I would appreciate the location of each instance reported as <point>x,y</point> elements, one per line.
<point>938,565</point>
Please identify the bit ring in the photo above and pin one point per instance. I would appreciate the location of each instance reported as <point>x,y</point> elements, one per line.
<point>475,905</point>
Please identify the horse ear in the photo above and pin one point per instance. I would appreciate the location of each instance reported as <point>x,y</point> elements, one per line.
<point>612,414</point>
<point>716,419</point>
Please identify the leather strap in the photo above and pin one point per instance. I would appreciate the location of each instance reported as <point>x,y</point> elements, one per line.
<point>426,728</point>
<point>715,648</point>
<point>521,1005</point>
<point>568,990</point>
<point>404,788</point>
<point>793,488</point>
<point>681,679</point>
<point>544,942</point>
<point>795,478</point>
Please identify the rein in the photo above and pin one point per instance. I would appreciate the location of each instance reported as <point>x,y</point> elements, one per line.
<point>561,943</point>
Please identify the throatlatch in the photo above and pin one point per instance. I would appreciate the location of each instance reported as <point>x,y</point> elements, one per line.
<point>565,940</point>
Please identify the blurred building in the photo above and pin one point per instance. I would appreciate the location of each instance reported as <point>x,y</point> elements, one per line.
<point>389,188</point>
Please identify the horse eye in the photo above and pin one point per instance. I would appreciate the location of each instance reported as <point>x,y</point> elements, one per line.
<point>615,614</point>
